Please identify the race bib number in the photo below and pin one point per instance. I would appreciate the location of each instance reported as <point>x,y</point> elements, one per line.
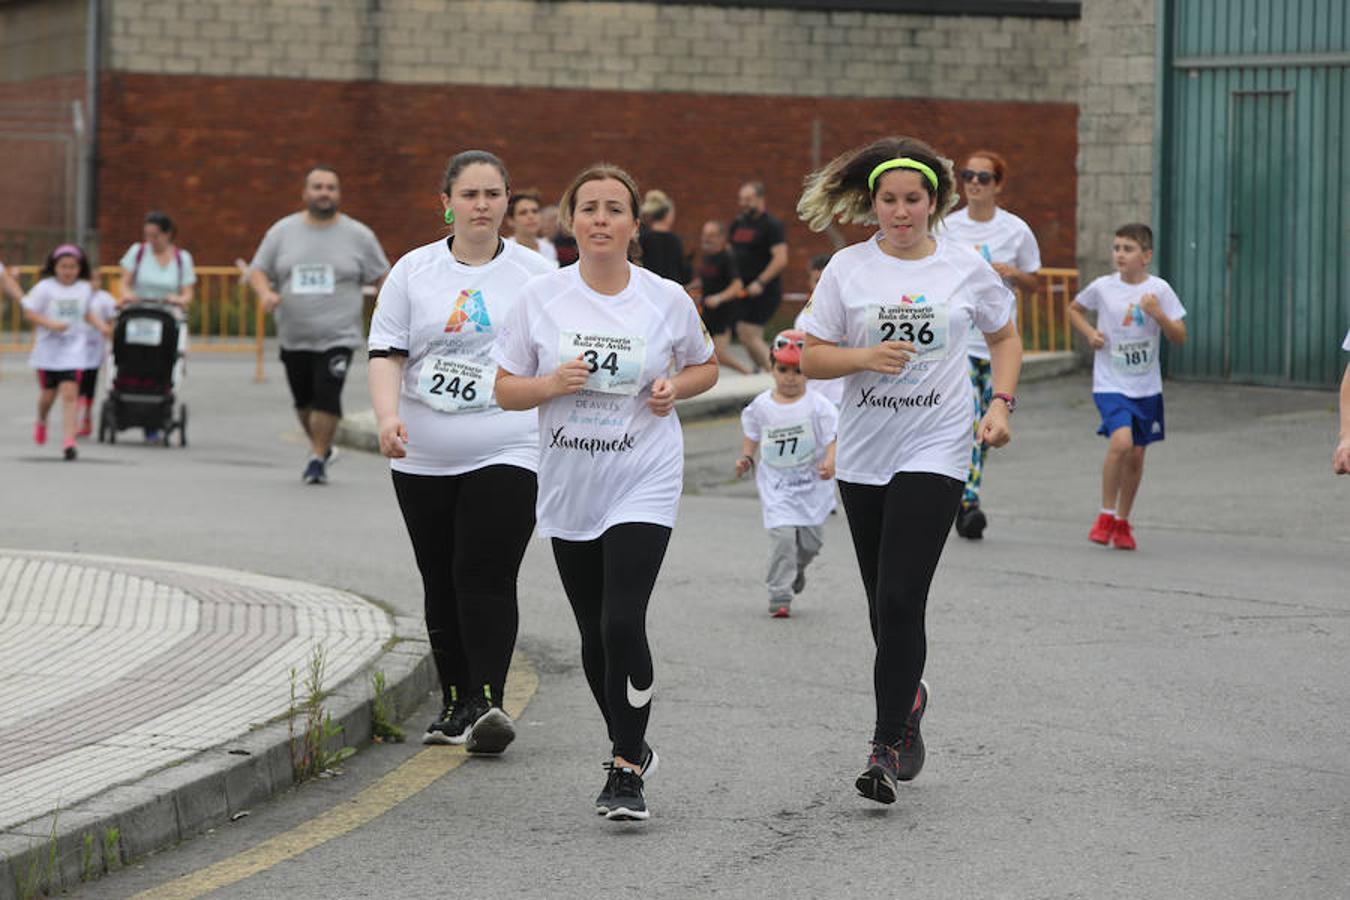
<point>67,310</point>
<point>788,446</point>
<point>313,278</point>
<point>615,361</point>
<point>922,324</point>
<point>144,332</point>
<point>1134,357</point>
<point>455,385</point>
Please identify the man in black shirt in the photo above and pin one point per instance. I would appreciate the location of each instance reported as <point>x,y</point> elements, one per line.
<point>761,255</point>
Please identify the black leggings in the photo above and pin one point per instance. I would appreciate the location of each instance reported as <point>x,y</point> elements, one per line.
<point>608,582</point>
<point>469,534</point>
<point>899,530</point>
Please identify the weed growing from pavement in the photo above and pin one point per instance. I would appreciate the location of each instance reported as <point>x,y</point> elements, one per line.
<point>382,727</point>
<point>88,867</point>
<point>309,726</point>
<point>40,875</point>
<point>112,851</point>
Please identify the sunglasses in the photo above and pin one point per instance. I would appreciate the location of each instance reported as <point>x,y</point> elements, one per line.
<point>982,177</point>
<point>782,343</point>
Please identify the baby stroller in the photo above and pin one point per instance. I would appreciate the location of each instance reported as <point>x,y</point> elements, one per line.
<point>145,358</point>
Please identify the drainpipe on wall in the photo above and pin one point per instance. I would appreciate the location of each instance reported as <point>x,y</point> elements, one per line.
<point>87,215</point>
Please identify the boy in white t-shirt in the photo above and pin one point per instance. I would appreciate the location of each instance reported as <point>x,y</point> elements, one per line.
<point>794,430</point>
<point>1134,310</point>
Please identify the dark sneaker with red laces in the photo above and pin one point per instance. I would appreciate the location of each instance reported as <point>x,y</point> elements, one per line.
<point>878,781</point>
<point>909,749</point>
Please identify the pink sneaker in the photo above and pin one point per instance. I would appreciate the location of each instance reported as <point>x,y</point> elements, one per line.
<point>40,433</point>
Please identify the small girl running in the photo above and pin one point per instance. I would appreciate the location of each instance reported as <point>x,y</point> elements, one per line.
<point>794,431</point>
<point>58,308</point>
<point>1133,310</point>
<point>102,313</point>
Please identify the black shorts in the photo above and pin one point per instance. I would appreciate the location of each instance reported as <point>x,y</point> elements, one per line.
<point>316,377</point>
<point>759,310</point>
<point>723,317</point>
<point>50,379</point>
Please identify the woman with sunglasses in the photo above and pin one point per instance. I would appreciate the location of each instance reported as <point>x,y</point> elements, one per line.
<point>892,314</point>
<point>1007,244</point>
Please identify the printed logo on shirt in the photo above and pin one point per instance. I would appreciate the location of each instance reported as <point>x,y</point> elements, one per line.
<point>743,235</point>
<point>562,441</point>
<point>870,398</point>
<point>1134,315</point>
<point>983,250</point>
<point>470,314</point>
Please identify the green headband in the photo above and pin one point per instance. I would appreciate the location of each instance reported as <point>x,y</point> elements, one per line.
<point>903,162</point>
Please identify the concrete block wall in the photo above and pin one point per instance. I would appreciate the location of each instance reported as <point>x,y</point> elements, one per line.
<point>606,46</point>
<point>1118,56</point>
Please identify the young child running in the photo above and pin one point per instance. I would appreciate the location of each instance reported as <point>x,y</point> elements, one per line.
<point>58,308</point>
<point>794,431</point>
<point>102,313</point>
<point>1133,309</point>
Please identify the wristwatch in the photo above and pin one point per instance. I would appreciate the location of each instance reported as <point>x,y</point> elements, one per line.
<point>1009,399</point>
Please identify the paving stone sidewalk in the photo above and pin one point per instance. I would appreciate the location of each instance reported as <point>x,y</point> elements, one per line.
<point>112,669</point>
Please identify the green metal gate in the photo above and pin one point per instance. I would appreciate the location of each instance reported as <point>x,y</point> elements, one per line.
<point>1254,188</point>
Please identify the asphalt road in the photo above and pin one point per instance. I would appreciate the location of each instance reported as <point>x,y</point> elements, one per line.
<point>1166,723</point>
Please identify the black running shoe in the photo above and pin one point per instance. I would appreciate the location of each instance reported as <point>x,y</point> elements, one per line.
<point>971,522</point>
<point>492,730</point>
<point>649,763</point>
<point>909,749</point>
<point>315,473</point>
<point>451,726</point>
<point>626,801</point>
<point>878,781</point>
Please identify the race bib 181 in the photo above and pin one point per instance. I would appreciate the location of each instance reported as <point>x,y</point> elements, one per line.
<point>1134,357</point>
<point>922,324</point>
<point>454,385</point>
<point>144,332</point>
<point>788,446</point>
<point>67,310</point>
<point>313,278</point>
<point>615,361</point>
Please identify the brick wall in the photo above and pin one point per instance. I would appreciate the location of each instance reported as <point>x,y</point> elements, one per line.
<point>225,156</point>
<point>616,46</point>
<point>1115,125</point>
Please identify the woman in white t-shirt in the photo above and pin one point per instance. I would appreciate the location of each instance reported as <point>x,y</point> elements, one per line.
<point>1007,243</point>
<point>58,308</point>
<point>522,214</point>
<point>903,302</point>
<point>604,349</point>
<point>1340,460</point>
<point>463,467</point>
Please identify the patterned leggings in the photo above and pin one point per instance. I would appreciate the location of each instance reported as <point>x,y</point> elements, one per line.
<point>982,395</point>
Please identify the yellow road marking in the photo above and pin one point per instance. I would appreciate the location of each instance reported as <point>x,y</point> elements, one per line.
<point>370,803</point>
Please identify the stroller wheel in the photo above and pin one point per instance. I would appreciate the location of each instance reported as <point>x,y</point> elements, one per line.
<point>182,425</point>
<point>103,425</point>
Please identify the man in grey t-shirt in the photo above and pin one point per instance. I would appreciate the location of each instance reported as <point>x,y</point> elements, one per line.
<point>319,259</point>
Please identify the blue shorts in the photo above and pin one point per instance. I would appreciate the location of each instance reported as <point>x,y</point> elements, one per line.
<point>1142,415</point>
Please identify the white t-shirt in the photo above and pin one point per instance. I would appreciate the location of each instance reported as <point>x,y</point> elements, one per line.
<point>605,457</point>
<point>793,438</point>
<point>546,249</point>
<point>921,419</point>
<point>1005,238</point>
<point>58,351</point>
<point>1346,345</point>
<point>831,389</point>
<point>104,307</point>
<point>1128,363</point>
<point>445,314</point>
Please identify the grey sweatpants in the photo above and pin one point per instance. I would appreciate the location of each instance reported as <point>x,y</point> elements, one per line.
<point>791,548</point>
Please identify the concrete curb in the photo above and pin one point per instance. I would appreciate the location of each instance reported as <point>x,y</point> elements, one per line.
<point>79,844</point>
<point>358,430</point>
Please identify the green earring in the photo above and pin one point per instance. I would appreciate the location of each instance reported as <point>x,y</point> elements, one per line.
<point>449,216</point>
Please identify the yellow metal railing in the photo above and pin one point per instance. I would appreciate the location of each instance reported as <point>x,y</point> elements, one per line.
<point>224,317</point>
<point>1043,317</point>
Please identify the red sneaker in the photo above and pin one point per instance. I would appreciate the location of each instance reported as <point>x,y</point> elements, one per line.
<point>40,433</point>
<point>1102,529</point>
<point>86,424</point>
<point>1122,537</point>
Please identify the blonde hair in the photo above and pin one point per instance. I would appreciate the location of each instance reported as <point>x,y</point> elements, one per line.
<point>840,189</point>
<point>656,206</point>
<point>567,206</point>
